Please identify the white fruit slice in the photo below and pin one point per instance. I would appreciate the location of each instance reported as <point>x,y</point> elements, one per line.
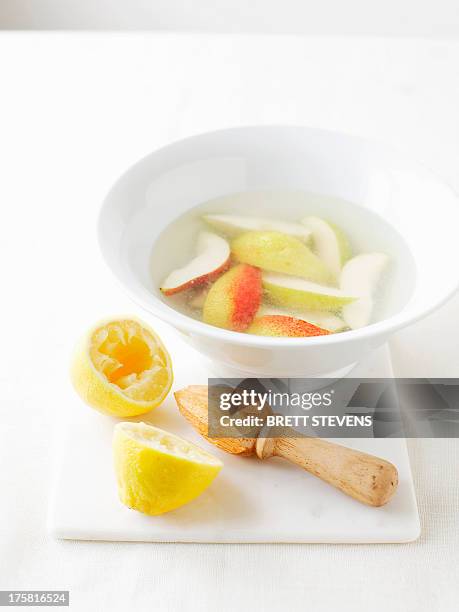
<point>297,293</point>
<point>232,225</point>
<point>213,258</point>
<point>330,244</point>
<point>325,320</point>
<point>360,276</point>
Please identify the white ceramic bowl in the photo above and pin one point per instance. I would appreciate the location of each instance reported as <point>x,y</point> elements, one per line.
<point>170,181</point>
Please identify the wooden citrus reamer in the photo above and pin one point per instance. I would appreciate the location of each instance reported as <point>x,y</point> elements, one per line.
<point>364,477</point>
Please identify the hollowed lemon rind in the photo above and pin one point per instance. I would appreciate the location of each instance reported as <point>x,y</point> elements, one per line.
<point>96,389</point>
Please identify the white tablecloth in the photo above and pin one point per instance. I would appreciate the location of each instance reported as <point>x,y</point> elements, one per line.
<point>75,110</point>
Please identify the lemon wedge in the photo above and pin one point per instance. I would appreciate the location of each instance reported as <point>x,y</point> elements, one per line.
<point>122,368</point>
<point>157,471</point>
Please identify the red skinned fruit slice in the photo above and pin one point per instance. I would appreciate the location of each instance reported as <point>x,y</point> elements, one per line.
<point>212,259</point>
<point>234,298</point>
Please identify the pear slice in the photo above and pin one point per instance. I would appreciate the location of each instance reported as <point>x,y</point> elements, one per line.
<point>293,292</point>
<point>212,259</point>
<point>361,276</point>
<point>325,320</point>
<point>330,244</point>
<point>284,326</point>
<point>277,252</point>
<point>233,300</point>
<point>233,225</point>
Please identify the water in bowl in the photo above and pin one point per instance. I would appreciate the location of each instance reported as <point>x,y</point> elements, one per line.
<point>282,263</point>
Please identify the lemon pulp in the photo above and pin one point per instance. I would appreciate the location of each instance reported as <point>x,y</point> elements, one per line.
<point>122,368</point>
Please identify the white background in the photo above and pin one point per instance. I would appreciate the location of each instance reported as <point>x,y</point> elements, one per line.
<point>75,111</point>
<point>431,18</point>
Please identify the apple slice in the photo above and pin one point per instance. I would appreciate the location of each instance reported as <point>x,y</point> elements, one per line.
<point>325,320</point>
<point>234,298</point>
<point>233,225</point>
<point>213,258</point>
<point>293,292</point>
<point>277,252</point>
<point>360,276</point>
<point>330,244</point>
<point>284,326</point>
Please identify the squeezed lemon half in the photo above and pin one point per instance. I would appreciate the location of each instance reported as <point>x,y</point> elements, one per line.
<point>157,471</point>
<point>122,368</point>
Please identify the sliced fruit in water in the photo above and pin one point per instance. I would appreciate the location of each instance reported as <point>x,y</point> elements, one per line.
<point>297,293</point>
<point>325,320</point>
<point>234,298</point>
<point>233,225</point>
<point>361,276</point>
<point>279,325</point>
<point>122,368</point>
<point>157,471</point>
<point>279,252</point>
<point>212,259</point>
<point>330,244</point>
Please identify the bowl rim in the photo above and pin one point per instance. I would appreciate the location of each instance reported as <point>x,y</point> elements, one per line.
<point>193,326</point>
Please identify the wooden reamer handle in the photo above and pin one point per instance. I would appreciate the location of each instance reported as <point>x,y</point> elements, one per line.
<point>368,479</point>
